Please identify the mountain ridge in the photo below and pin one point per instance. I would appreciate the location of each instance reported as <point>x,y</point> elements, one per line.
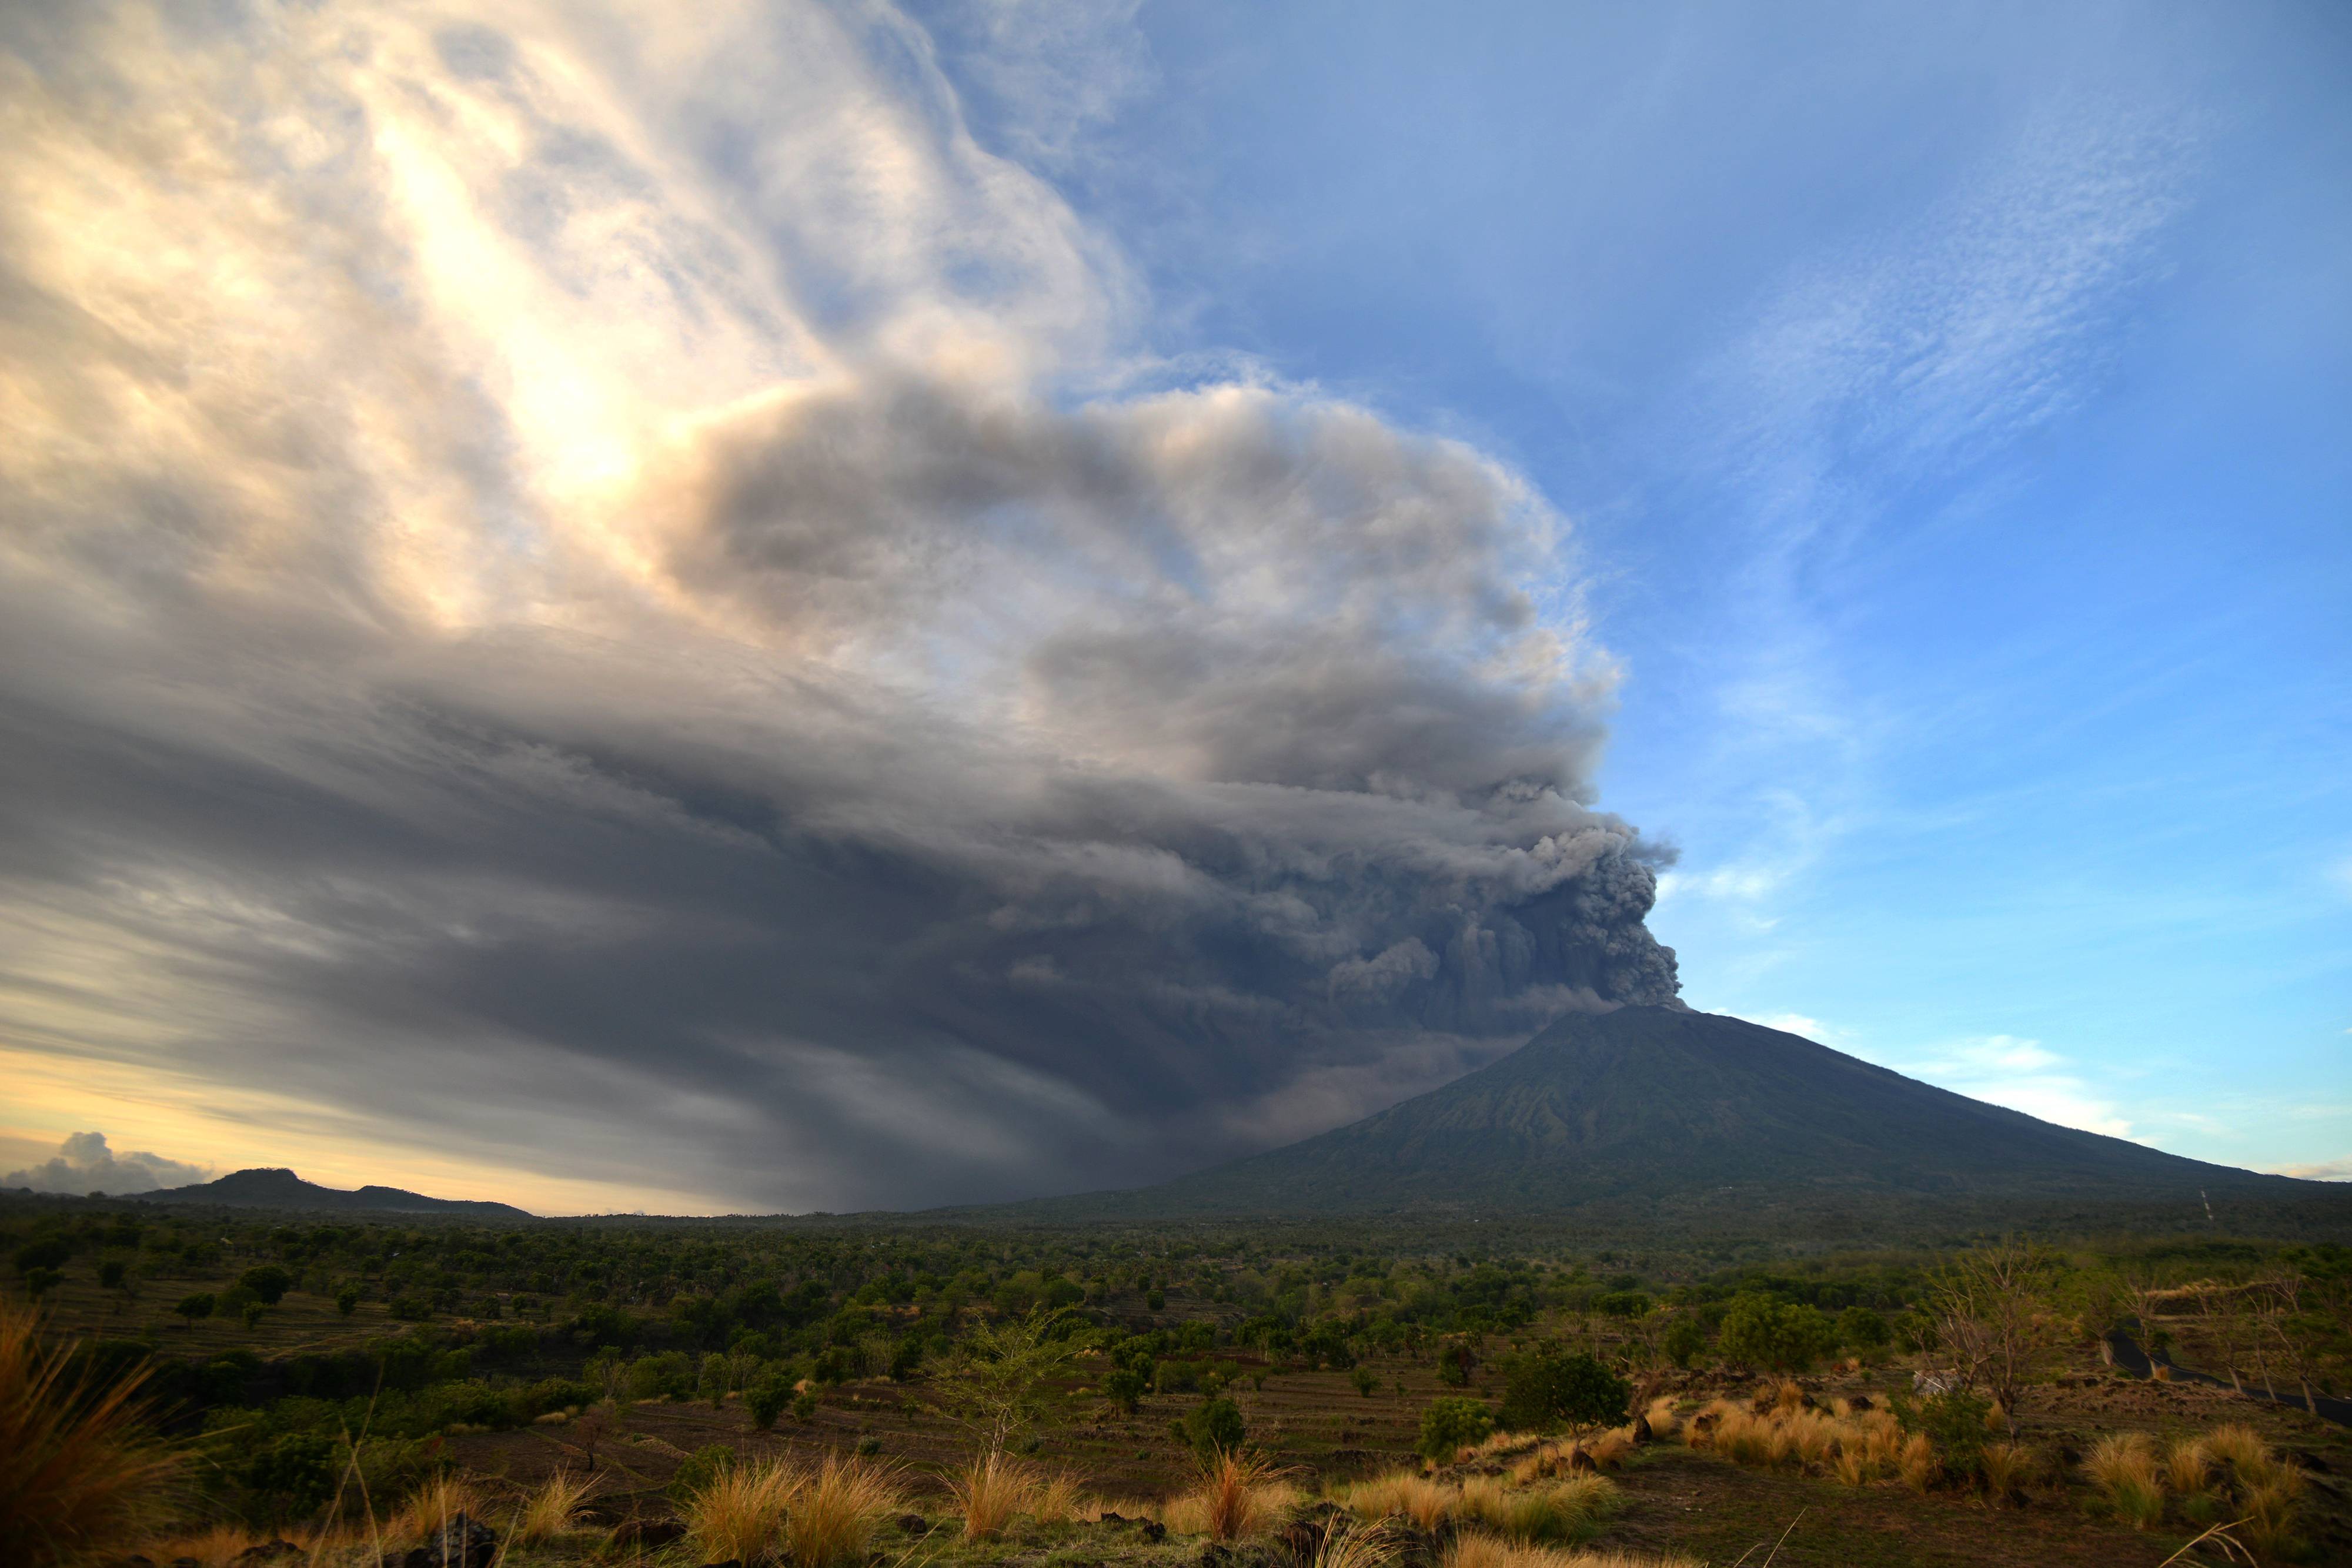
<point>275,1187</point>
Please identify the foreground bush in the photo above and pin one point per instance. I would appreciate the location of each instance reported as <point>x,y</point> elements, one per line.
<point>79,1469</point>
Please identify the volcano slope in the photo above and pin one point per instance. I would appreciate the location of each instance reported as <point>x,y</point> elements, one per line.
<point>1661,1114</point>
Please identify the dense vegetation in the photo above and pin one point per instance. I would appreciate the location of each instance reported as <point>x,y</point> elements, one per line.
<point>414,1332</point>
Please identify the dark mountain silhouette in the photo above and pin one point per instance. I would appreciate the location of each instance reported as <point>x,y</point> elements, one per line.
<point>1667,1110</point>
<point>276,1188</point>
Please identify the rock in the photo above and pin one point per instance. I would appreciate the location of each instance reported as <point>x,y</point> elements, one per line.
<point>463,1542</point>
<point>914,1524</point>
<point>267,1551</point>
<point>1580,1463</point>
<point>1152,1528</point>
<point>186,1562</point>
<point>1107,1517</point>
<point>1640,1430</point>
<point>1860,1402</point>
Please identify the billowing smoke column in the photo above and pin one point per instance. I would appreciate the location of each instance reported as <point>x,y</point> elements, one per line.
<point>539,695</point>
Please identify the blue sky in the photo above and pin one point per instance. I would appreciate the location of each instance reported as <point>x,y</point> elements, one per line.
<point>1951,407</point>
<point>784,605</point>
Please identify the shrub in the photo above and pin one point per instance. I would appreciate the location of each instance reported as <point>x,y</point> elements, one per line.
<point>347,1300</point>
<point>1545,1390</point>
<point>110,1273</point>
<point>38,1255</point>
<point>1126,1389</point>
<point>1862,1327</point>
<point>1454,1363</point>
<point>1214,1428</point>
<point>79,1471</point>
<point>1449,1425</point>
<point>1366,1381</point>
<point>1684,1341</point>
<point>699,1468</point>
<point>199,1305</point>
<point>1956,1423</point>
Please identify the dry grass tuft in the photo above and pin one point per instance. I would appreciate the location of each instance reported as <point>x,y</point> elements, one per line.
<point>741,1513</point>
<point>1402,1494</point>
<point>1349,1546</point>
<point>2187,1465</point>
<point>1661,1416</point>
<point>79,1469</point>
<point>436,1500</point>
<point>1492,1552</point>
<point>552,1508</point>
<point>833,1511</point>
<point>991,1492</point>
<point>1916,1463</point>
<point>216,1547</point>
<point>1060,1498</point>
<point>2006,1466</point>
<point>2270,1508</point>
<point>2123,1465</point>
<point>2237,1446</point>
<point>1239,1496</point>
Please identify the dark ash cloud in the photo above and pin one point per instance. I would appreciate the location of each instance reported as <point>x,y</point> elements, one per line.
<point>907,781</point>
<point>83,1164</point>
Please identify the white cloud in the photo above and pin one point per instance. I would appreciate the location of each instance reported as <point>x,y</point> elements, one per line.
<point>2024,1075</point>
<point>2325,1170</point>
<point>84,1164</point>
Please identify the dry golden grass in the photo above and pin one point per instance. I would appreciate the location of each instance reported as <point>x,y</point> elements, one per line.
<point>551,1508</point>
<point>1060,1498</point>
<point>2006,1466</point>
<point>831,1512</point>
<point>1238,1495</point>
<point>1492,1552</point>
<point>2237,1446</point>
<point>1402,1494</point>
<point>2269,1505</point>
<point>741,1513</point>
<point>2123,1466</point>
<point>1661,1416</point>
<point>1351,1545</point>
<point>216,1547</point>
<point>991,1492</point>
<point>2187,1465</point>
<point>1916,1463</point>
<point>436,1500</point>
<point>1610,1448</point>
<point>79,1469</point>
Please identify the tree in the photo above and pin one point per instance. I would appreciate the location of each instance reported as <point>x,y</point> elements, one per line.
<point>347,1300</point>
<point>1454,1363</point>
<point>1548,1389</point>
<point>767,1398</point>
<point>1365,1380</point>
<point>997,1383</point>
<point>1987,1310</point>
<point>199,1305</point>
<point>1126,1387</point>
<point>268,1283</point>
<point>1451,1425</point>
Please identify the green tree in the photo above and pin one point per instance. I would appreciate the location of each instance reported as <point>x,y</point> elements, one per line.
<point>1762,1333</point>
<point>1365,1380</point>
<point>768,1397</point>
<point>199,1305</point>
<point>1214,1427</point>
<point>1544,1390</point>
<point>1454,1363</point>
<point>701,1468</point>
<point>1449,1425</point>
<point>110,1273</point>
<point>347,1300</point>
<point>999,1384</point>
<point>1126,1386</point>
<point>268,1283</point>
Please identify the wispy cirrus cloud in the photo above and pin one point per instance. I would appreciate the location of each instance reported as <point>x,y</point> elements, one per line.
<point>2022,1074</point>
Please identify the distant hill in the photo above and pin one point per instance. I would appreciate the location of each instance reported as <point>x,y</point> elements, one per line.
<point>1665,1112</point>
<point>272,1188</point>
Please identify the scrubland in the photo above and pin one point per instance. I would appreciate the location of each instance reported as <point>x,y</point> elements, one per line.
<point>672,1396</point>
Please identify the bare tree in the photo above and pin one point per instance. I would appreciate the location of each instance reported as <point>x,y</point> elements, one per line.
<point>1988,1308</point>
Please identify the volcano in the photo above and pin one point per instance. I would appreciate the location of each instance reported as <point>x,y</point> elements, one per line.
<point>1663,1108</point>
